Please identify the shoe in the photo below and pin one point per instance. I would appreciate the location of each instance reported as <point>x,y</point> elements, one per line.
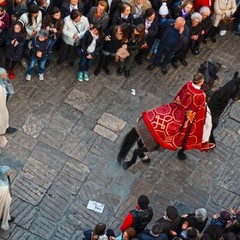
<point>12,219</point>
<point>174,64</point>
<point>119,71</point>
<point>222,32</point>
<point>80,76</point>
<point>213,39</point>
<point>10,130</point>
<point>204,41</point>
<point>97,71</point>
<point>195,52</point>
<point>85,76</point>
<point>28,77</point>
<point>206,146</point>
<point>41,76</point>
<point>11,74</point>
<point>139,61</point>
<point>149,56</point>
<point>24,62</point>
<point>146,159</point>
<point>106,70</point>
<point>126,74</point>
<point>59,62</point>
<point>151,66</point>
<point>47,63</point>
<point>164,70</point>
<point>71,64</point>
<point>183,62</point>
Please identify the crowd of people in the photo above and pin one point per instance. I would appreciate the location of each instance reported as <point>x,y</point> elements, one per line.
<point>104,30</point>
<point>171,226</point>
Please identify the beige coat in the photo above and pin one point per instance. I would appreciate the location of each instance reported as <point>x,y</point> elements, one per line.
<point>222,9</point>
<point>146,4</point>
<point>4,117</point>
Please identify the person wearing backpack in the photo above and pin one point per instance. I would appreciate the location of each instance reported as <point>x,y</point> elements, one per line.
<point>139,217</point>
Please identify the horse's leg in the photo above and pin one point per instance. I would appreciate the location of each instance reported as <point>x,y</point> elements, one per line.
<point>181,155</point>
<point>144,158</point>
<point>136,153</point>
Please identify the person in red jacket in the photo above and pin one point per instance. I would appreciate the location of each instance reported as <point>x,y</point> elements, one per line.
<point>203,3</point>
<point>139,217</point>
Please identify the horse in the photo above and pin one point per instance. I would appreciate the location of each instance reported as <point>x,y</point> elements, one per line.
<point>221,98</point>
<point>217,104</point>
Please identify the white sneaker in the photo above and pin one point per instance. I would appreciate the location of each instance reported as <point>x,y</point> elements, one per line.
<point>41,76</point>
<point>28,77</point>
<point>222,32</point>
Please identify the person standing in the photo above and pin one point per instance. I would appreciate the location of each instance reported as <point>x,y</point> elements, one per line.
<point>139,217</point>
<point>4,116</point>
<point>41,48</point>
<point>5,197</point>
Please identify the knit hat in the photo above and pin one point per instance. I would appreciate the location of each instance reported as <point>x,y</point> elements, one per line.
<point>143,202</point>
<point>225,216</point>
<point>163,10</point>
<point>171,212</point>
<point>43,33</point>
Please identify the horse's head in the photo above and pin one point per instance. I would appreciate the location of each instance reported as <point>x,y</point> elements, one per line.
<point>210,69</point>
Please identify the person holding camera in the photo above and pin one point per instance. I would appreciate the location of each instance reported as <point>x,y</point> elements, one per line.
<point>74,29</point>
<point>53,23</point>
<point>41,48</point>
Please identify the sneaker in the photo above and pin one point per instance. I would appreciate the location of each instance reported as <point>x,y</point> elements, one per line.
<point>28,77</point>
<point>41,76</point>
<point>24,62</point>
<point>222,32</point>
<point>80,76</point>
<point>86,77</point>
<point>11,74</point>
<point>10,130</point>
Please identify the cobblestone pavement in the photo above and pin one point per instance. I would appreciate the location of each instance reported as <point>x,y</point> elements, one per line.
<point>64,153</point>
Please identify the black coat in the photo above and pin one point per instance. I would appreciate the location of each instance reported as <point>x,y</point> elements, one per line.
<point>65,9</point>
<point>101,20</point>
<point>117,19</point>
<point>11,52</point>
<point>87,40</point>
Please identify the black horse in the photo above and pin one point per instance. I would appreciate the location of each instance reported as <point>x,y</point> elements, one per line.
<point>220,99</point>
<point>217,104</point>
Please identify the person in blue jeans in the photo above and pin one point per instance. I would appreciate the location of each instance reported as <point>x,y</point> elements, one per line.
<point>41,47</point>
<point>91,45</point>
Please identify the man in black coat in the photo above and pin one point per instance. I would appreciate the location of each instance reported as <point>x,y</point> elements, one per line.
<point>68,6</point>
<point>173,37</point>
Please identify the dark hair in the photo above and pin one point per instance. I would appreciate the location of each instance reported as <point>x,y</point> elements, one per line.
<point>149,12</point>
<point>198,77</point>
<point>99,28</point>
<point>55,10</point>
<point>40,2</point>
<point>99,229</point>
<point>131,232</point>
<point>123,6</point>
<point>74,14</point>
<point>191,232</point>
<point>213,232</point>
<point>125,31</point>
<point>33,8</point>
<point>141,30</point>
<point>156,229</point>
<point>2,8</point>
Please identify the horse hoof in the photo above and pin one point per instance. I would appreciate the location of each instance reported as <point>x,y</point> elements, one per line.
<point>126,165</point>
<point>146,159</point>
<point>182,156</point>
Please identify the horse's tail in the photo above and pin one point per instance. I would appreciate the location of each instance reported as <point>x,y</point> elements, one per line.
<point>127,143</point>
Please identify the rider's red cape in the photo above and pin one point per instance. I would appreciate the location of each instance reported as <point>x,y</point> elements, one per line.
<point>180,123</point>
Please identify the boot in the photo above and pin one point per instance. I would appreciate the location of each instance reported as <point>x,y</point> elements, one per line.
<point>213,34</point>
<point>101,61</point>
<point>105,66</point>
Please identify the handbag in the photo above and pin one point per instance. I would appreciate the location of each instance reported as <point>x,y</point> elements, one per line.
<point>226,23</point>
<point>77,48</point>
